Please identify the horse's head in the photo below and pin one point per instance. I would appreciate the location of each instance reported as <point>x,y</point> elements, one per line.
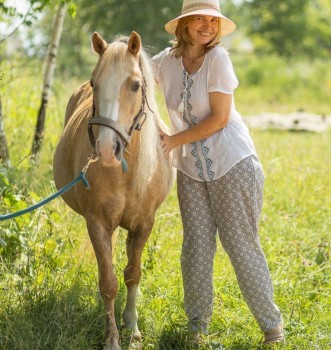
<point>118,96</point>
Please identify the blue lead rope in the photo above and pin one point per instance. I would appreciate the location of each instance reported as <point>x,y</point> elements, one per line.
<point>80,177</point>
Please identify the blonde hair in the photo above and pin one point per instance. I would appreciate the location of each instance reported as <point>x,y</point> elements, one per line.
<point>182,40</point>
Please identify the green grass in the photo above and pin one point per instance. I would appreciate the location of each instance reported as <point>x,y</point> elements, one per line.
<point>48,276</point>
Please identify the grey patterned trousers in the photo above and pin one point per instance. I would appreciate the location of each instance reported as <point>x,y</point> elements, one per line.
<point>231,206</point>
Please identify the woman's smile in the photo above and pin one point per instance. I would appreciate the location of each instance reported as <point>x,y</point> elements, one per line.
<point>202,29</point>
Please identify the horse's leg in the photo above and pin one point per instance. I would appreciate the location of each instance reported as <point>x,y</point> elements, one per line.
<point>108,284</point>
<point>134,245</point>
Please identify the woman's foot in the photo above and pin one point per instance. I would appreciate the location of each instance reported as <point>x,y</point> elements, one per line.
<point>195,338</point>
<point>273,336</point>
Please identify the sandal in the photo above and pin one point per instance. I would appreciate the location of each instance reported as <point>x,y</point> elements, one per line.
<point>275,335</point>
<point>195,338</point>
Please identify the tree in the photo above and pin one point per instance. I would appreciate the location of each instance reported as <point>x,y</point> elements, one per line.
<point>10,13</point>
<point>289,27</point>
<point>319,24</point>
<point>7,15</point>
<point>48,78</point>
<point>278,25</point>
<point>145,17</point>
<point>111,18</point>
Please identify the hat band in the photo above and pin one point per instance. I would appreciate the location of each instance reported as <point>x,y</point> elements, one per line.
<point>199,6</point>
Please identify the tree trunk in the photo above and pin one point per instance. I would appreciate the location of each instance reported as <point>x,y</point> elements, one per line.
<point>48,79</point>
<point>4,154</point>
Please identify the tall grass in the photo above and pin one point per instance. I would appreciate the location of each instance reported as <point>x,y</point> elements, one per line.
<point>48,276</point>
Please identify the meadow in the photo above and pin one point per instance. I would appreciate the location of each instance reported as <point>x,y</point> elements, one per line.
<point>48,276</point>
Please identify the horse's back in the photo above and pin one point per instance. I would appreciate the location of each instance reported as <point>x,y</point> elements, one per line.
<point>83,92</point>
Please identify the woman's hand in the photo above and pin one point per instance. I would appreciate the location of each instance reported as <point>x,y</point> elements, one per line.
<point>168,142</point>
<point>220,105</point>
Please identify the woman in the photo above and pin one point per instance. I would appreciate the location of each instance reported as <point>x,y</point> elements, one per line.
<point>219,177</point>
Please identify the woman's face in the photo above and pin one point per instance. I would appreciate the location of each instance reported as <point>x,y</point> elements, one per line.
<point>202,29</point>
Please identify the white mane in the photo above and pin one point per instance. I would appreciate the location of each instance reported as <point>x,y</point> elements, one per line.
<point>148,157</point>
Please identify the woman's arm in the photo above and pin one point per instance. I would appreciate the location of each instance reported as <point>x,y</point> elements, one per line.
<point>220,105</point>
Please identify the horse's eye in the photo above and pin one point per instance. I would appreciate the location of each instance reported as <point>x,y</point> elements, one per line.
<point>91,83</point>
<point>135,86</point>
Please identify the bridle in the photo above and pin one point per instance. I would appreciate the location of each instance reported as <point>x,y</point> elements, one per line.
<point>137,122</point>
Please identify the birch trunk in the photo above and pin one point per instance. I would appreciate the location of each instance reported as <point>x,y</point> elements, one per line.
<point>48,79</point>
<point>4,153</point>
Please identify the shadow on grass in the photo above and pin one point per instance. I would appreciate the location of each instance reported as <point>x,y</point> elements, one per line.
<point>70,319</point>
<point>175,338</point>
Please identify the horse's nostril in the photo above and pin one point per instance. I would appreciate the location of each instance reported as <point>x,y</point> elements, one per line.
<point>118,150</point>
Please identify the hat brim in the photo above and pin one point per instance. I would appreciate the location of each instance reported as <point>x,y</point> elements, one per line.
<point>227,26</point>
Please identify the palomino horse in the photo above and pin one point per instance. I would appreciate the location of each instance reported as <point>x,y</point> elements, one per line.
<point>131,177</point>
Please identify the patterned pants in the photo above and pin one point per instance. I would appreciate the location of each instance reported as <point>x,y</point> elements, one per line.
<point>230,205</point>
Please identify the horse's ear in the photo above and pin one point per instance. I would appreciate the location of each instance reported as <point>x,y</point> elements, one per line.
<point>99,45</point>
<point>134,44</point>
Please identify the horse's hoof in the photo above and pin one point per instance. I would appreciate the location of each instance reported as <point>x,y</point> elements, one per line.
<point>136,335</point>
<point>133,333</point>
<point>112,345</point>
<point>131,326</point>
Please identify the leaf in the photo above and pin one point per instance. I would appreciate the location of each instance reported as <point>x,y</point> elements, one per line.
<point>50,246</point>
<point>72,10</point>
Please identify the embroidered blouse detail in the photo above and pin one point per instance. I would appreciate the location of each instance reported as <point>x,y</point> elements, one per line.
<point>190,120</point>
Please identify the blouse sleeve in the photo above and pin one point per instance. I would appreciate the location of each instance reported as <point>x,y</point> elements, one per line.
<point>157,66</point>
<point>222,77</point>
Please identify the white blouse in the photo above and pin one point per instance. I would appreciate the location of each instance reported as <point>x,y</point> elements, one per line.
<point>187,101</point>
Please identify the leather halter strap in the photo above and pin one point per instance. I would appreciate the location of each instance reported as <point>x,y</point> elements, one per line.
<point>110,124</point>
<point>136,124</point>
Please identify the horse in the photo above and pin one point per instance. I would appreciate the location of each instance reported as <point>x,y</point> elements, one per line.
<point>114,118</point>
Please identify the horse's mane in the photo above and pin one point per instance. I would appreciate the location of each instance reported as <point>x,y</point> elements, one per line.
<point>148,157</point>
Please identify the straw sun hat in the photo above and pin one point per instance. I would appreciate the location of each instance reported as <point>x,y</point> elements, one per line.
<point>202,7</point>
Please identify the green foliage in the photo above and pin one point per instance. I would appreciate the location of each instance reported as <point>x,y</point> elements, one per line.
<point>10,12</point>
<point>281,25</point>
<point>13,237</point>
<point>295,28</point>
<point>111,18</point>
<point>275,84</point>
<point>289,27</point>
<point>319,21</point>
